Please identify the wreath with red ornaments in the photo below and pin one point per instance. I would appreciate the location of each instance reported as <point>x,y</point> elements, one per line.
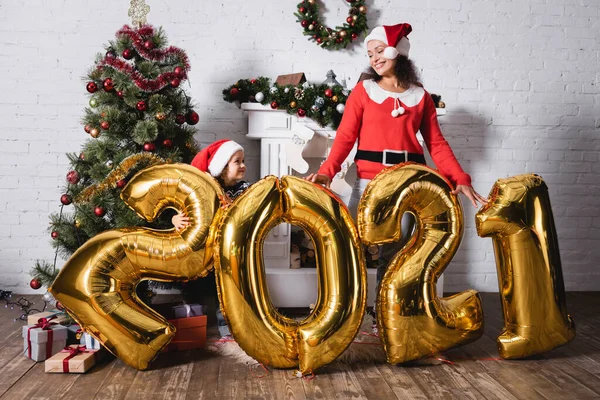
<point>328,38</point>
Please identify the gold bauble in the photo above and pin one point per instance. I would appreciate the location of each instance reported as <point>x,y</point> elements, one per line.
<point>342,33</point>
<point>95,132</point>
<point>293,104</point>
<point>77,223</point>
<point>355,17</point>
<point>160,116</point>
<point>362,9</point>
<point>311,1</point>
<point>334,99</point>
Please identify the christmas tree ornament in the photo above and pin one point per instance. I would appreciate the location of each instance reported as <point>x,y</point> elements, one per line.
<point>301,113</point>
<point>273,90</point>
<point>103,114</point>
<point>121,183</point>
<point>48,298</point>
<point>149,147</point>
<point>111,53</point>
<point>81,156</point>
<point>73,177</point>
<point>234,91</point>
<point>340,108</point>
<point>334,99</point>
<point>299,94</point>
<point>59,306</point>
<point>259,96</point>
<point>87,128</point>
<point>120,94</point>
<point>95,132</point>
<point>104,125</point>
<point>180,119</point>
<point>349,19</point>
<point>302,10</point>
<point>109,163</point>
<point>293,104</point>
<point>253,81</point>
<point>274,105</point>
<point>127,54</point>
<point>35,283</point>
<point>343,34</point>
<point>180,72</point>
<point>167,143</point>
<point>160,116</point>
<point>93,103</point>
<point>175,82</point>
<point>141,105</point>
<point>328,92</point>
<point>148,44</point>
<point>354,36</point>
<point>286,90</point>
<point>192,117</point>
<point>108,85</point>
<point>304,23</point>
<point>362,9</point>
<point>311,27</point>
<point>91,87</point>
<point>77,224</point>
<point>314,108</point>
<point>99,211</point>
<point>355,17</point>
<point>65,199</point>
<point>319,101</point>
<point>54,234</point>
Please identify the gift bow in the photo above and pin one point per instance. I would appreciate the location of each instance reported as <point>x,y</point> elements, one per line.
<point>73,351</point>
<point>45,324</point>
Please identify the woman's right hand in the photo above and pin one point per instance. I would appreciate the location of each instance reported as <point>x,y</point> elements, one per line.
<point>180,221</point>
<point>320,179</point>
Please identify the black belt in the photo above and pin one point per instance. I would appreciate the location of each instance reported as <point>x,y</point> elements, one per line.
<point>389,157</point>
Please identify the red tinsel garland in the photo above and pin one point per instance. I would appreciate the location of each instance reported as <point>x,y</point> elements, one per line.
<point>155,55</point>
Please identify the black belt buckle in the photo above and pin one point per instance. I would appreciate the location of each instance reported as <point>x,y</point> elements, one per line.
<point>391,154</point>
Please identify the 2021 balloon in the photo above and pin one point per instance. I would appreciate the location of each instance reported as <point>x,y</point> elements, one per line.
<point>97,284</point>
<point>413,321</point>
<point>258,328</point>
<point>518,218</point>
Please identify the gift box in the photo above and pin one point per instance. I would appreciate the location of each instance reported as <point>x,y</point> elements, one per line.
<point>187,310</point>
<point>59,317</point>
<point>74,359</point>
<point>190,334</point>
<point>41,341</point>
<point>91,342</point>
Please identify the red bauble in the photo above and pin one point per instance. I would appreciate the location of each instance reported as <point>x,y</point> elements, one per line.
<point>105,125</point>
<point>192,117</point>
<point>54,235</point>
<point>91,87</point>
<point>234,91</point>
<point>148,44</point>
<point>354,36</point>
<point>149,147</point>
<point>274,105</point>
<point>175,82</point>
<point>304,23</point>
<point>87,129</point>
<point>120,94</point>
<point>180,72</point>
<point>253,81</point>
<point>328,92</point>
<point>73,177</point>
<point>302,10</point>
<point>301,112</point>
<point>59,306</point>
<point>99,211</point>
<point>108,84</point>
<point>65,199</point>
<point>121,183</point>
<point>180,119</point>
<point>127,54</point>
<point>349,20</point>
<point>319,40</point>
<point>35,283</point>
<point>168,143</point>
<point>141,105</point>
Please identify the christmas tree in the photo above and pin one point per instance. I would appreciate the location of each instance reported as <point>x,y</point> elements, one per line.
<point>138,116</point>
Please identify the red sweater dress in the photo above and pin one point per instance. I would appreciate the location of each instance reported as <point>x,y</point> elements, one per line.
<point>367,117</point>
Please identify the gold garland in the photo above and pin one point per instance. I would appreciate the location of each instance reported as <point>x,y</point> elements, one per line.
<point>117,174</point>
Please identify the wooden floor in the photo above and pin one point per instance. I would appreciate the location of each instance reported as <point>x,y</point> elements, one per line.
<point>570,372</point>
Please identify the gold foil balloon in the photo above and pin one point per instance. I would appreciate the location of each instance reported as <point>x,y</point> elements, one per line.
<point>519,220</point>
<point>259,329</point>
<point>97,284</point>
<point>413,321</point>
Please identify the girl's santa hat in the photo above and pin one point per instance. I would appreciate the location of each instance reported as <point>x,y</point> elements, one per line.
<point>215,157</point>
<point>395,36</point>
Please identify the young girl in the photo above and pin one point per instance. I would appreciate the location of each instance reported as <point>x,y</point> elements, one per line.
<point>224,160</point>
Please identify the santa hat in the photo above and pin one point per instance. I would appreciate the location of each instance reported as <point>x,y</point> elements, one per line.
<point>395,36</point>
<point>215,157</point>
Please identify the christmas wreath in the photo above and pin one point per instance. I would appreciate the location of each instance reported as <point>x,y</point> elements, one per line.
<point>332,39</point>
<point>322,103</point>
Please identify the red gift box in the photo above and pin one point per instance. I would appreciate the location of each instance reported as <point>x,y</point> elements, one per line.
<point>190,334</point>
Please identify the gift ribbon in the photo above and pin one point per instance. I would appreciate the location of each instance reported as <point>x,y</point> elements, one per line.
<point>73,351</point>
<point>45,324</point>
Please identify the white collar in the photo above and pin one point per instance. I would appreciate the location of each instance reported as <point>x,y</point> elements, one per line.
<point>410,98</point>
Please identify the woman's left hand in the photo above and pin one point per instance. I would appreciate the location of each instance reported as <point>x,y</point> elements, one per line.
<point>471,194</point>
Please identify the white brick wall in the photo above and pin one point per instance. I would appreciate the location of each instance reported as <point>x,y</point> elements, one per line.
<point>520,79</point>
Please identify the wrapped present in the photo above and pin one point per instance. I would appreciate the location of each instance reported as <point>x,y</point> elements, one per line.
<point>190,334</point>
<point>91,342</point>
<point>59,317</point>
<point>187,310</point>
<point>74,359</point>
<point>44,339</point>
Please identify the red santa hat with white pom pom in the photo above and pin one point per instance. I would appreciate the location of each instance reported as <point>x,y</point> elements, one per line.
<point>395,36</point>
<point>215,157</point>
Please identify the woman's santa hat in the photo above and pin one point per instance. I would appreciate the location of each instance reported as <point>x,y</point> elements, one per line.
<point>395,36</point>
<point>215,157</point>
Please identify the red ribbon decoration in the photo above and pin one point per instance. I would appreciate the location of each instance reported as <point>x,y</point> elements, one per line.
<point>45,324</point>
<point>73,351</point>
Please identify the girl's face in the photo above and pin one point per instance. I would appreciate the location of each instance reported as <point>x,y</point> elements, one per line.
<point>236,169</point>
<point>381,65</point>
